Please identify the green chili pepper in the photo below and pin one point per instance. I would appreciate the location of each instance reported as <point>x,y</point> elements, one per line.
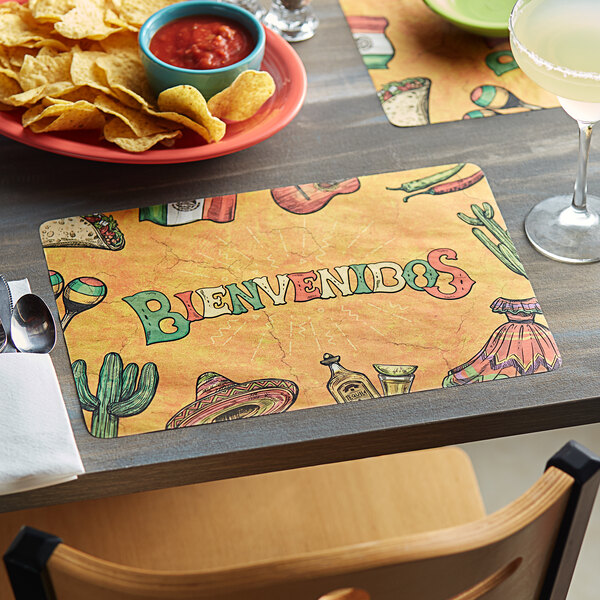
<point>450,186</point>
<point>420,184</point>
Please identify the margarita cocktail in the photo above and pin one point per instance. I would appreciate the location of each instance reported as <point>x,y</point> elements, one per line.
<point>557,44</point>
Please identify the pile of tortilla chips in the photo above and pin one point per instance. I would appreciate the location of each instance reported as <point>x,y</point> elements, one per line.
<point>74,64</point>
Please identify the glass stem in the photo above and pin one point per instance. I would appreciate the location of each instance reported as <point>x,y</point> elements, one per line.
<point>580,193</point>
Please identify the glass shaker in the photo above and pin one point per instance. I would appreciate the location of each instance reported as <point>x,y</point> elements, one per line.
<point>253,6</point>
<point>294,20</point>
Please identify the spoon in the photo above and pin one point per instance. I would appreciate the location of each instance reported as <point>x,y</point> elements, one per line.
<point>3,337</point>
<point>5,300</point>
<point>32,325</point>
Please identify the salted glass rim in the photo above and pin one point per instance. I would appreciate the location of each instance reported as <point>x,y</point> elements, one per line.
<point>538,60</point>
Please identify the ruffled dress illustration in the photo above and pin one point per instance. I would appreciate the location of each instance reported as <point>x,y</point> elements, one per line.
<point>519,347</point>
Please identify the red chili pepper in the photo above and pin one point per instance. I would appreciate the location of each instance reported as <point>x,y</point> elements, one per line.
<point>451,186</point>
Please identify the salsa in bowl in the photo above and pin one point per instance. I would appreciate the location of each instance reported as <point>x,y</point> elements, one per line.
<point>200,43</point>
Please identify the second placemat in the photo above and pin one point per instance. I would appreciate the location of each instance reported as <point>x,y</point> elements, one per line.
<point>426,70</point>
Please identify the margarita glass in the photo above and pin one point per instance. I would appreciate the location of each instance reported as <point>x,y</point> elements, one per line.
<point>557,44</point>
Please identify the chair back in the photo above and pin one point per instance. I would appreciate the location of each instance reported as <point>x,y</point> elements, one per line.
<point>524,551</point>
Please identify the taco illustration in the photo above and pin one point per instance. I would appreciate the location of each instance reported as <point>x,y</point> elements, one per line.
<point>406,102</point>
<point>220,399</point>
<point>92,231</point>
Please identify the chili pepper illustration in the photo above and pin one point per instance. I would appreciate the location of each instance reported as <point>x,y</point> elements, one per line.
<point>504,250</point>
<point>420,184</point>
<point>451,186</point>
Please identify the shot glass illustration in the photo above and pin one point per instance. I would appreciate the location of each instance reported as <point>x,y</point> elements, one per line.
<point>395,379</point>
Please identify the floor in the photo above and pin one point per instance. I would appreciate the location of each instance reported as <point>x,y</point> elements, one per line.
<point>507,467</point>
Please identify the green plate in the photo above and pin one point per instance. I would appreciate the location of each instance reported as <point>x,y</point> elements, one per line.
<point>482,17</point>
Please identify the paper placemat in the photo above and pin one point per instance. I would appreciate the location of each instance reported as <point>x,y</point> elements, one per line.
<point>426,70</point>
<point>214,309</point>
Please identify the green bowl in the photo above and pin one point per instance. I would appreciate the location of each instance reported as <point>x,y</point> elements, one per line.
<point>162,75</point>
<point>482,17</point>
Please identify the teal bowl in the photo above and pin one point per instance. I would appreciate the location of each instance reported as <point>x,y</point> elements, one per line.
<point>162,75</point>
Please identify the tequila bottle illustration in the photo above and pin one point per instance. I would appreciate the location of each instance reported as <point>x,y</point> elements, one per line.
<point>347,386</point>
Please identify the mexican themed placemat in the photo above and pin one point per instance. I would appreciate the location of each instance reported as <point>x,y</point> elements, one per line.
<point>213,309</point>
<point>426,70</point>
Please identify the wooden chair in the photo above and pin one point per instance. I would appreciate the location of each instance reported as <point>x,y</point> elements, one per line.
<point>410,526</point>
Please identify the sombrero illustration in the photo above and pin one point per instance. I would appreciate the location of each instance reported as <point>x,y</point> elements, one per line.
<point>220,399</point>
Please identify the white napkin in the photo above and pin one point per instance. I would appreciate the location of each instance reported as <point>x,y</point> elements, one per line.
<point>37,446</point>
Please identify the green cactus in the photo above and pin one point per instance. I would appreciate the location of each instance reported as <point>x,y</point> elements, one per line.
<point>116,394</point>
<point>504,250</point>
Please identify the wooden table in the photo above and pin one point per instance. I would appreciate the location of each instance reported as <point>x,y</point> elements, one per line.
<point>341,132</point>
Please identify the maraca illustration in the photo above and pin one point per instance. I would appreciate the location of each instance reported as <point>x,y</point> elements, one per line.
<point>57,282</point>
<point>80,295</point>
<point>480,113</point>
<point>501,61</point>
<point>495,97</point>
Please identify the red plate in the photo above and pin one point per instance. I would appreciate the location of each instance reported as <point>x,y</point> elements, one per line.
<point>280,60</point>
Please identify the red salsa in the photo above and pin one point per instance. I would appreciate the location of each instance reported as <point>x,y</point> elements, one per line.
<point>201,42</point>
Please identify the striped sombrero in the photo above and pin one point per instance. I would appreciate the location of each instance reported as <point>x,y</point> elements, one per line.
<point>220,399</point>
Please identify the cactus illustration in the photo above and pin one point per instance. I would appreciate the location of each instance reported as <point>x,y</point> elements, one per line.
<point>504,250</point>
<point>117,395</point>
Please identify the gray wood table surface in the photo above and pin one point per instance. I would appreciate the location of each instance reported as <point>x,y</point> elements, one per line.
<point>340,132</point>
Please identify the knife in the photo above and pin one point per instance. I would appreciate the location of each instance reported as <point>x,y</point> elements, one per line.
<point>6,306</point>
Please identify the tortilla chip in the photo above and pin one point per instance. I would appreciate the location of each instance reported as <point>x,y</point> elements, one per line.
<point>13,57</point>
<point>142,124</point>
<point>85,71</point>
<point>121,43</point>
<point>50,11</point>
<point>41,70</point>
<point>188,101</point>
<point>244,97</point>
<point>63,117</point>
<point>34,95</point>
<point>181,120</point>
<point>126,74</point>
<point>82,92</point>
<point>86,20</point>
<point>8,87</point>
<point>17,27</point>
<point>135,12</point>
<point>119,133</point>
<point>111,18</point>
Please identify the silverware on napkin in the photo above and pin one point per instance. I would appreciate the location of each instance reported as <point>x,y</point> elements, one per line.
<point>32,325</point>
<point>3,337</point>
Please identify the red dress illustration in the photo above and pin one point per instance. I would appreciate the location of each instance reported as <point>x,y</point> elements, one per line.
<point>519,347</point>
